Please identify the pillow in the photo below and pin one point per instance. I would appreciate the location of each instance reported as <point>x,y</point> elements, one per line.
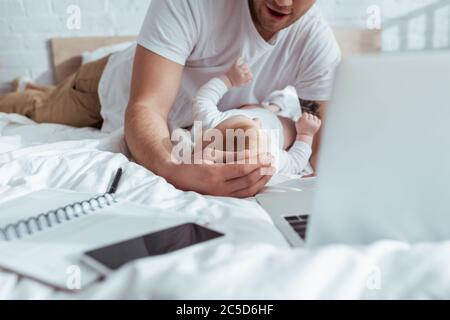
<point>90,56</point>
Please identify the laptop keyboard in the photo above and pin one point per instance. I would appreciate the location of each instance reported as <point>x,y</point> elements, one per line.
<point>299,224</point>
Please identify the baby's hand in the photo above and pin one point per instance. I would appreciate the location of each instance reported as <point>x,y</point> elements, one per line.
<point>308,125</point>
<point>239,74</point>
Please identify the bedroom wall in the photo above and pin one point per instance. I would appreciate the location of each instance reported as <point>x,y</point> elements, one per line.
<point>406,24</point>
<point>27,25</point>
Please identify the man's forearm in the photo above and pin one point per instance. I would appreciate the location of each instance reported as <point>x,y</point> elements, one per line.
<point>148,138</point>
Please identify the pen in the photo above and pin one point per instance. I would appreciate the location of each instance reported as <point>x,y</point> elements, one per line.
<point>116,181</point>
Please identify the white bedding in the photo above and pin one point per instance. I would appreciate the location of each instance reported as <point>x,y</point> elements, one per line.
<point>255,263</point>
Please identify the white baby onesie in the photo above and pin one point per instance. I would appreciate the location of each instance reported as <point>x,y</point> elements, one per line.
<point>206,111</point>
<point>288,102</point>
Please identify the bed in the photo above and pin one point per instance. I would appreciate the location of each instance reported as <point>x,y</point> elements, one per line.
<point>256,262</point>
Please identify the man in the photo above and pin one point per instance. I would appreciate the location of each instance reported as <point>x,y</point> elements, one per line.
<point>183,44</point>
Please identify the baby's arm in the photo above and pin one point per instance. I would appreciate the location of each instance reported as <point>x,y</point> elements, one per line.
<point>296,159</point>
<point>205,103</point>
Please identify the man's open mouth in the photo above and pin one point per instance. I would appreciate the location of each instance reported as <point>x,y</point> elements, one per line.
<point>276,13</point>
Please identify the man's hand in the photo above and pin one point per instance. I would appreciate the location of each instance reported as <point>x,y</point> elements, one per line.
<point>225,179</point>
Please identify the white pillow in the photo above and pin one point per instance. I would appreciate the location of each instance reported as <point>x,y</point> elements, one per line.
<point>90,56</point>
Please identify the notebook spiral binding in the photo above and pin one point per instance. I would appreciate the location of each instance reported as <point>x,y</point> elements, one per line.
<point>43,221</point>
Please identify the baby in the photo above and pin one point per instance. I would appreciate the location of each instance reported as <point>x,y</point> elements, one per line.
<point>279,113</point>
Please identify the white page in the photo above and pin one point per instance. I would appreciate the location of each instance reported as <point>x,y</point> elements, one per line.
<point>35,203</point>
<point>47,255</point>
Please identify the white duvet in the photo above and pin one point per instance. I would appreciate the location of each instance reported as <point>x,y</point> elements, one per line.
<point>255,263</point>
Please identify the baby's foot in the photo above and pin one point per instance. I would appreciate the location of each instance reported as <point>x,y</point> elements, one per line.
<point>239,74</point>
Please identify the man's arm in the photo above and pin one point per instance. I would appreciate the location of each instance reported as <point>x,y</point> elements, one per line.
<point>155,84</point>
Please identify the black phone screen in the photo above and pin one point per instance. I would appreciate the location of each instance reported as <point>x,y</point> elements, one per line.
<point>165,241</point>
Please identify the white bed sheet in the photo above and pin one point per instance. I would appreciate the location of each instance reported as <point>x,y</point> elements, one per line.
<point>255,263</point>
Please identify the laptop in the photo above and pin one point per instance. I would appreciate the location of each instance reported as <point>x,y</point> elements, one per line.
<point>384,165</point>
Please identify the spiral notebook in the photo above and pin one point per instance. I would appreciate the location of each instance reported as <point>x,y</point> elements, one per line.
<point>44,234</point>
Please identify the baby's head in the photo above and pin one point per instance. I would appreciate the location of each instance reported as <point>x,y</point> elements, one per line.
<point>243,133</point>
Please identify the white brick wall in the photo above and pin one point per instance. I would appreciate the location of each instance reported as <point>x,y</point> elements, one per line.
<point>407,24</point>
<point>27,25</point>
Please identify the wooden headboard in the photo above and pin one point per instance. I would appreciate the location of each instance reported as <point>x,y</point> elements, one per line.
<point>66,52</point>
<point>357,41</point>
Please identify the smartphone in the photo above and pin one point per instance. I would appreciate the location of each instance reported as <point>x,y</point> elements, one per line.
<point>112,257</point>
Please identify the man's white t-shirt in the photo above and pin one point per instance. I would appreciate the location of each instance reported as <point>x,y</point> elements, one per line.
<point>206,36</point>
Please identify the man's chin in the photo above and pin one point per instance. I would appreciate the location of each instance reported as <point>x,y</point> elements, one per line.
<point>275,25</point>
